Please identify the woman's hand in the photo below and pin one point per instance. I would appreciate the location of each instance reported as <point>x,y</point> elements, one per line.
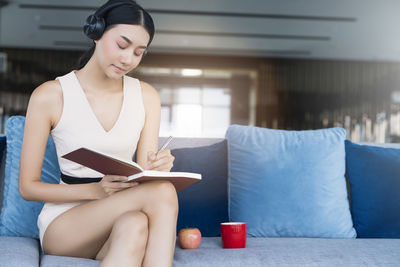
<point>162,161</point>
<point>111,184</point>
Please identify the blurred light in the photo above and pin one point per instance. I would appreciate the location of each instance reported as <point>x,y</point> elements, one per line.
<point>3,62</point>
<point>191,72</point>
<point>396,96</point>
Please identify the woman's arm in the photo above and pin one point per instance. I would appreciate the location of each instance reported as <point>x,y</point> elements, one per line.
<point>44,108</point>
<point>148,141</point>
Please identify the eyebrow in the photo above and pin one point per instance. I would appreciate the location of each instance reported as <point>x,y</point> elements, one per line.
<point>130,42</point>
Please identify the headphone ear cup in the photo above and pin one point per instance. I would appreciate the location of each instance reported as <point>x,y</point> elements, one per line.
<point>94,27</point>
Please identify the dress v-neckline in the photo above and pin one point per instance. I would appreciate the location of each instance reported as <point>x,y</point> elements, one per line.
<point>90,107</point>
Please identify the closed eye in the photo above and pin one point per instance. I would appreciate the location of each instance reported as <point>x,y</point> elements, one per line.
<point>136,54</point>
<point>120,47</point>
<point>139,53</point>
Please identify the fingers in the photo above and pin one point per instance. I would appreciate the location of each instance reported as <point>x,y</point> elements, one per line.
<point>115,178</point>
<point>117,182</point>
<point>164,153</point>
<point>151,155</point>
<point>162,164</point>
<point>134,183</point>
<point>113,183</point>
<point>122,186</point>
<point>163,161</point>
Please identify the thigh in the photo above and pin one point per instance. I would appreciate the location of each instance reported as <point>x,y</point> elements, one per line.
<point>84,229</point>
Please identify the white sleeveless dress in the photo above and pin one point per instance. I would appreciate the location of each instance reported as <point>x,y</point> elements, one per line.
<point>79,127</point>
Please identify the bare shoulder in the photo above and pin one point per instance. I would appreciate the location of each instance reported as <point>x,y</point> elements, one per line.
<point>47,99</point>
<point>150,95</point>
<point>148,90</point>
<point>47,92</point>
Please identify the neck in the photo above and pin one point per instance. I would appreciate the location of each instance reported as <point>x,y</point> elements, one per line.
<point>92,77</point>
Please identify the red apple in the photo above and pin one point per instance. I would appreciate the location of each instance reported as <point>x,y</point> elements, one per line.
<point>189,238</point>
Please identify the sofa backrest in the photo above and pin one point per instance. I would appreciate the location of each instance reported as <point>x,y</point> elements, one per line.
<point>177,142</point>
<point>182,142</point>
<point>203,204</point>
<point>386,145</point>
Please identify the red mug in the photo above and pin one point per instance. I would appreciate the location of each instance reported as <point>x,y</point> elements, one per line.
<point>233,234</point>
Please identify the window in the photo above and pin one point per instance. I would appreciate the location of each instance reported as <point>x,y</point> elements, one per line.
<point>194,103</point>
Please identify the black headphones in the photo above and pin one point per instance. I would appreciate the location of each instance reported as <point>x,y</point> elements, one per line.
<point>95,25</point>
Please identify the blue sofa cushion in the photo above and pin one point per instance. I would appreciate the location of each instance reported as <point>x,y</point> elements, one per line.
<point>374,176</point>
<point>19,217</point>
<point>288,183</point>
<point>203,204</point>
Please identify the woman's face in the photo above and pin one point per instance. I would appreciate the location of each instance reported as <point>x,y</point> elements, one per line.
<point>121,48</point>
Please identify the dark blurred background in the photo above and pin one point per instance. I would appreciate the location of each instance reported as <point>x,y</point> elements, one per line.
<point>282,64</point>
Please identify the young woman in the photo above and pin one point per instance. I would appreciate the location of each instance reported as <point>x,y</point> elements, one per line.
<point>97,106</point>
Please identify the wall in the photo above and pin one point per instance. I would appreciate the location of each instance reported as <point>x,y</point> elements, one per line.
<point>311,94</point>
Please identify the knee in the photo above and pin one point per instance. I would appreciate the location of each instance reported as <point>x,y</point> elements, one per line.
<point>131,226</point>
<point>164,195</point>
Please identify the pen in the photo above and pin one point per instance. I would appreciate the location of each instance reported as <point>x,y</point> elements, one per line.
<point>165,144</point>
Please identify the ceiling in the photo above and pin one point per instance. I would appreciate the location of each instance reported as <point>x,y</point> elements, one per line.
<point>329,29</point>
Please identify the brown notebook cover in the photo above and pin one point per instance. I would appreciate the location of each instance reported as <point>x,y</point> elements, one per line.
<point>106,164</point>
<point>101,162</point>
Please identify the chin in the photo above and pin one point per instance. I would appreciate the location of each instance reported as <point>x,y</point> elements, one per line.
<point>112,74</point>
<point>116,75</point>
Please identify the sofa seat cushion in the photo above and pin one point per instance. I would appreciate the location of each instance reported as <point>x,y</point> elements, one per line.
<point>293,252</point>
<point>273,252</point>
<point>19,251</point>
<point>61,261</point>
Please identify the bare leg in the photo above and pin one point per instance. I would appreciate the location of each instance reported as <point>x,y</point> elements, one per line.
<point>162,229</point>
<point>83,230</point>
<point>162,233</point>
<point>127,240</point>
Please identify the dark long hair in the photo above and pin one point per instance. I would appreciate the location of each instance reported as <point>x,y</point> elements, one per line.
<point>137,16</point>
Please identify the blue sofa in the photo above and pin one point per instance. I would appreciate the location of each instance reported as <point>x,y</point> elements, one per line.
<point>205,205</point>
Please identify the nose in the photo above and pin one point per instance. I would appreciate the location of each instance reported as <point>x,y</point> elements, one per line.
<point>128,58</point>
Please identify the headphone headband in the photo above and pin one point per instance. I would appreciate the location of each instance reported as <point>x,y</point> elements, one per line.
<point>95,25</point>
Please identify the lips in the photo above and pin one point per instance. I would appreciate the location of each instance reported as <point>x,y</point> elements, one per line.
<point>118,68</point>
